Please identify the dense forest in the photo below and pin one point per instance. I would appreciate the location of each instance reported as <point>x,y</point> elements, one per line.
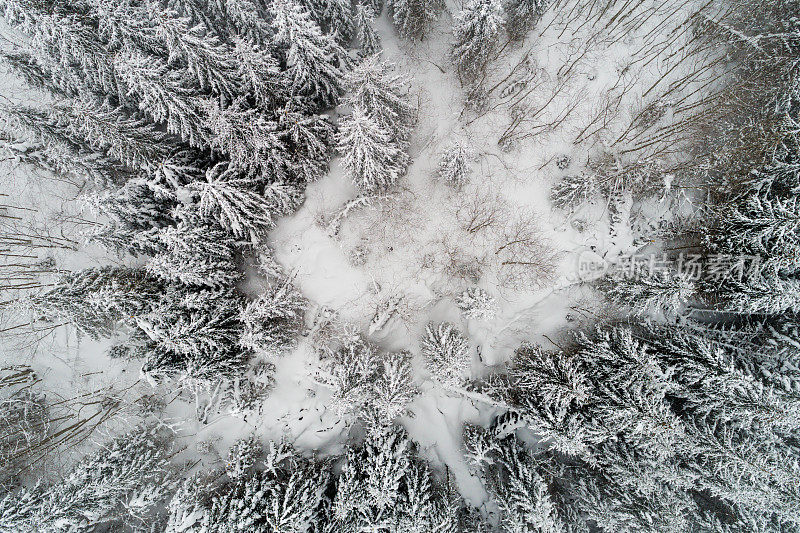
<point>414,266</point>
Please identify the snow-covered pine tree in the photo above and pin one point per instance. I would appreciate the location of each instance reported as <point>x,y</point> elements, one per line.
<point>96,300</point>
<point>383,95</point>
<point>393,389</point>
<point>413,18</point>
<point>194,335</point>
<point>368,38</point>
<point>652,292</point>
<point>477,34</point>
<point>119,487</point>
<point>476,303</point>
<point>349,372</point>
<point>514,479</point>
<point>272,322</point>
<point>383,485</point>
<point>64,41</point>
<point>454,169</point>
<point>369,152</point>
<point>195,254</point>
<point>522,15</point>
<point>236,206</point>
<point>315,63</point>
<point>308,137</point>
<point>286,495</point>
<point>334,17</point>
<point>43,139</point>
<point>135,214</point>
<point>447,354</point>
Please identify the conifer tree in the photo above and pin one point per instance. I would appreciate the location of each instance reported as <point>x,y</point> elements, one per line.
<point>368,38</point>
<point>372,160</point>
<point>413,18</point>
<point>195,254</point>
<point>314,62</point>
<point>272,321</point>
<point>383,95</point>
<point>522,15</point>
<point>477,31</point>
<point>477,303</point>
<point>447,354</point>
<point>652,292</point>
<point>95,300</point>
<point>122,485</point>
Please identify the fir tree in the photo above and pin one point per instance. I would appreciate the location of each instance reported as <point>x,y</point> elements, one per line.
<point>522,15</point>
<point>477,31</point>
<point>367,37</point>
<point>271,322</point>
<point>314,62</point>
<point>121,485</point>
<point>193,335</point>
<point>383,95</point>
<point>652,292</point>
<point>195,254</point>
<point>447,354</point>
<point>413,18</point>
<point>95,300</point>
<point>454,168</point>
<point>372,160</point>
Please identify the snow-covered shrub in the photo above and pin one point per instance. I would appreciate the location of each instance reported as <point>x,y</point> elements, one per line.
<point>477,303</point>
<point>573,190</point>
<point>447,354</point>
<point>454,169</point>
<point>272,322</point>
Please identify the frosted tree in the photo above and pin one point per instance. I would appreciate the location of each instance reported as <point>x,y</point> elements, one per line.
<point>447,354</point>
<point>287,495</point>
<point>96,300</point>
<point>195,254</point>
<point>413,18</point>
<point>315,63</point>
<point>393,389</point>
<point>233,203</point>
<point>768,294</point>
<point>383,486</point>
<point>367,37</point>
<point>349,373</point>
<point>383,95</point>
<point>45,140</point>
<point>334,17</point>
<point>477,32</point>
<point>370,156</point>
<point>272,321</point>
<point>193,335</point>
<point>522,15</point>
<point>24,427</point>
<point>653,292</point>
<point>477,303</point>
<point>514,480</point>
<point>163,95</point>
<point>66,45</point>
<point>120,486</point>
<point>454,165</point>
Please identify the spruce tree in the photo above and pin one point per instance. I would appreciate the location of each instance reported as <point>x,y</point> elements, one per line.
<point>477,32</point>
<point>447,354</point>
<point>370,156</point>
<point>414,18</point>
